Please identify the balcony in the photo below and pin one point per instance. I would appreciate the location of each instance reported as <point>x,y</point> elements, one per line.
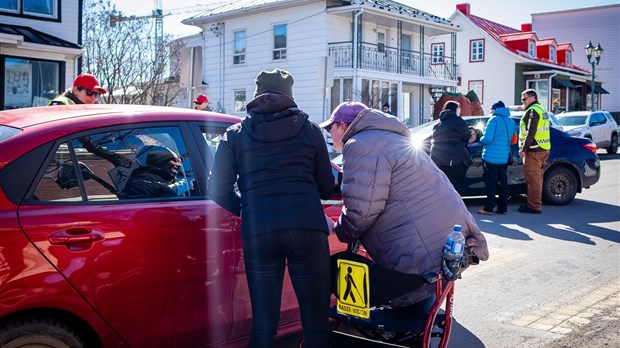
<point>389,59</point>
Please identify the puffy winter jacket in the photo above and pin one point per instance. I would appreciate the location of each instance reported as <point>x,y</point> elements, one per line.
<point>497,137</point>
<point>279,160</point>
<point>397,201</point>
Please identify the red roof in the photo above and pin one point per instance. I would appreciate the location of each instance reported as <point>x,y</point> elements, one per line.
<point>546,42</point>
<point>519,36</point>
<point>504,34</point>
<point>566,46</point>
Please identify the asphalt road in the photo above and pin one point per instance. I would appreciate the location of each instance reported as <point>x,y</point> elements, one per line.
<point>552,280</point>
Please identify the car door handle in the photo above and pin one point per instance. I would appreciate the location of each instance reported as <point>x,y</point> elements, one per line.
<point>75,236</point>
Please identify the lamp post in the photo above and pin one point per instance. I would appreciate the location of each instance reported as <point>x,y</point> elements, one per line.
<point>597,52</point>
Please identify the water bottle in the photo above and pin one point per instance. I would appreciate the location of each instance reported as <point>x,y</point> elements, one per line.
<point>453,253</point>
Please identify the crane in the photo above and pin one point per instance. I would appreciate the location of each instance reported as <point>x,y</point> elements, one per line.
<point>158,14</point>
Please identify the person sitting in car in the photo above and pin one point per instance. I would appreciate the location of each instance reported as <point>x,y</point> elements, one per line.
<point>158,178</point>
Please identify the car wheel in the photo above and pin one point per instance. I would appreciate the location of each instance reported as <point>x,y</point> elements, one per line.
<point>38,331</point>
<point>559,186</point>
<point>613,146</point>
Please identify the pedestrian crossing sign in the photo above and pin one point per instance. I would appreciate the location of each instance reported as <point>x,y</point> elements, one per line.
<point>353,289</point>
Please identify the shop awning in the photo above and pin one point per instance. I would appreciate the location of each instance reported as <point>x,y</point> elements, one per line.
<point>598,89</point>
<point>35,36</point>
<point>558,82</point>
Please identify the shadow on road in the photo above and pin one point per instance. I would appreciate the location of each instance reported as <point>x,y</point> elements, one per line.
<point>466,338</point>
<point>576,222</point>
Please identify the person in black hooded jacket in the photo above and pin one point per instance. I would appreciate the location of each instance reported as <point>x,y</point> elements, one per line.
<point>158,178</point>
<point>279,160</point>
<point>449,145</point>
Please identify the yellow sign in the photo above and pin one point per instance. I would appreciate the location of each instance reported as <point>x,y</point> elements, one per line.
<point>353,289</point>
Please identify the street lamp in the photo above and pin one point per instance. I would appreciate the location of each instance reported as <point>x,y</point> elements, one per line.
<point>598,52</point>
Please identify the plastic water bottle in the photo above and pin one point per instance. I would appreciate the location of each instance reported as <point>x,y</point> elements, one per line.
<point>453,253</point>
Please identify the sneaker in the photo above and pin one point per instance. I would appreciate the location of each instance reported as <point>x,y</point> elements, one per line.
<point>484,212</point>
<point>502,212</point>
<point>528,210</point>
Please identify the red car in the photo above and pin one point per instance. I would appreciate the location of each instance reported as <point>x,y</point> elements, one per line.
<point>85,264</point>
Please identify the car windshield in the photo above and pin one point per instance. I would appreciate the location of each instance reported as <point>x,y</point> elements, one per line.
<point>572,120</point>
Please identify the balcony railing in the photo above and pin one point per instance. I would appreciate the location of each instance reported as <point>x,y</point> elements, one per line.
<point>390,59</point>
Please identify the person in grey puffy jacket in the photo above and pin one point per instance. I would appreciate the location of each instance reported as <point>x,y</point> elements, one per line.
<point>496,142</point>
<point>397,202</point>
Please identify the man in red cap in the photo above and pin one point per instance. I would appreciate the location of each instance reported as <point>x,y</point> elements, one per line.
<point>86,89</point>
<point>202,103</point>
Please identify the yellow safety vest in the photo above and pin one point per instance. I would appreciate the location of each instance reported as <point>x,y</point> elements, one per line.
<point>543,134</point>
<point>61,100</point>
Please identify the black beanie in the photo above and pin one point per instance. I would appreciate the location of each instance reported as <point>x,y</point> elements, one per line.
<point>451,105</point>
<point>159,155</point>
<point>275,80</point>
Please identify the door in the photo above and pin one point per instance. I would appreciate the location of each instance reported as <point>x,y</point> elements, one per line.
<point>157,269</point>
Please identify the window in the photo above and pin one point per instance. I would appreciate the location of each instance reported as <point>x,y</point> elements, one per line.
<point>240,101</point>
<point>476,51</point>
<point>542,90</point>
<point>381,41</point>
<point>478,87</point>
<point>39,8</point>
<point>531,51</point>
<point>29,82</point>
<point>438,52</point>
<point>279,42</point>
<point>552,54</point>
<point>109,160</point>
<point>240,45</point>
<point>569,58</point>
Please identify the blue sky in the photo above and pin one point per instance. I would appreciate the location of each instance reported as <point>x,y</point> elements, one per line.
<point>512,13</point>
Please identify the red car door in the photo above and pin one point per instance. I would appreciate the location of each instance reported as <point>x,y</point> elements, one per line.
<point>159,271</point>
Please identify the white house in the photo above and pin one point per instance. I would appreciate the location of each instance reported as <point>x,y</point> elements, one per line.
<point>498,62</point>
<point>371,51</point>
<point>601,25</point>
<point>40,47</point>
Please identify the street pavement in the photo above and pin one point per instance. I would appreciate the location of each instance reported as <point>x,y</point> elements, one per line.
<point>549,277</point>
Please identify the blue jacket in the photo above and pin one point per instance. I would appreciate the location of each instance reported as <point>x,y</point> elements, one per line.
<point>497,137</point>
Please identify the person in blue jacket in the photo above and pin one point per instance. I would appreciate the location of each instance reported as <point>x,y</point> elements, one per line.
<point>496,141</point>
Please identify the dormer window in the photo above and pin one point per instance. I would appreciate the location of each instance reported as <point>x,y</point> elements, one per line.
<point>532,49</point>
<point>569,58</point>
<point>552,54</point>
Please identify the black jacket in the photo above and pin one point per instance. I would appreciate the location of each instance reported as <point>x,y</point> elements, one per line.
<point>450,137</point>
<point>279,160</point>
<point>150,182</point>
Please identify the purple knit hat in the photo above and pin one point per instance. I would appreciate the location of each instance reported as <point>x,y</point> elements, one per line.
<point>345,112</point>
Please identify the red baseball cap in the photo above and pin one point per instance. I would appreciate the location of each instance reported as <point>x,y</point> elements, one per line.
<point>201,99</point>
<point>88,81</point>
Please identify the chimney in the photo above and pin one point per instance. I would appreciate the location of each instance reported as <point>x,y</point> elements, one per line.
<point>464,8</point>
<point>526,27</point>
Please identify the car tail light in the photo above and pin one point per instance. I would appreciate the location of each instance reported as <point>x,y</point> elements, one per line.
<point>590,146</point>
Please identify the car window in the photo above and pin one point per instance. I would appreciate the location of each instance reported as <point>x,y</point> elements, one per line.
<point>108,161</point>
<point>572,120</point>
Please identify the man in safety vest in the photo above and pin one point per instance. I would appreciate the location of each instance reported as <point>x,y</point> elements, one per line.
<point>86,89</point>
<point>534,146</point>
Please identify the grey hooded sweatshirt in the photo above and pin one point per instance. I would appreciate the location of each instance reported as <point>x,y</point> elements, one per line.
<point>397,201</point>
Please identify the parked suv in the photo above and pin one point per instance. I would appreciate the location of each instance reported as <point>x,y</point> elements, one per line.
<point>597,126</point>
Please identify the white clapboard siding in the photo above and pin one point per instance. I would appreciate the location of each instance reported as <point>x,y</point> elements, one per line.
<point>600,24</point>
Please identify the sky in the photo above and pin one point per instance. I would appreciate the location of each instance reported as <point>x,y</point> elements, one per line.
<point>512,13</point>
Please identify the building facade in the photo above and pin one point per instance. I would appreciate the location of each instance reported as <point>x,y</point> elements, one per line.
<point>600,25</point>
<point>498,62</point>
<point>40,47</point>
<point>376,52</point>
